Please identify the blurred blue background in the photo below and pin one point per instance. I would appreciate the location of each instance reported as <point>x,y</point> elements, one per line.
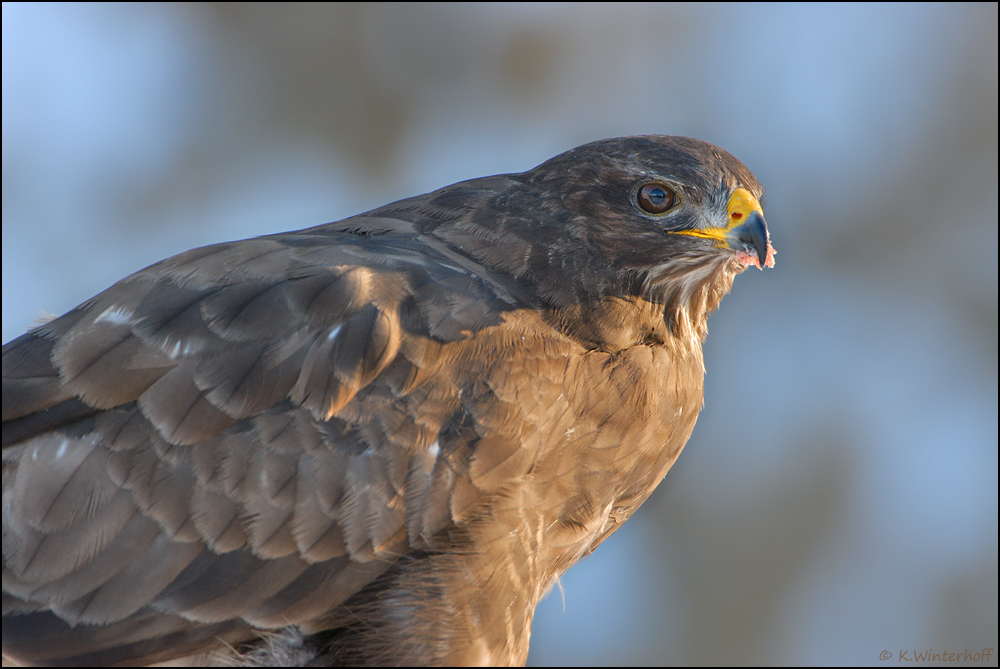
<point>839,495</point>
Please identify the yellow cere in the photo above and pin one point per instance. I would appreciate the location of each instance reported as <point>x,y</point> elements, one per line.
<point>742,203</point>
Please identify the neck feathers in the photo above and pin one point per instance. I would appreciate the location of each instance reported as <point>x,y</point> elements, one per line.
<point>689,288</point>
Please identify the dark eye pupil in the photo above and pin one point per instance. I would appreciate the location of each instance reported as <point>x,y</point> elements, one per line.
<point>656,198</point>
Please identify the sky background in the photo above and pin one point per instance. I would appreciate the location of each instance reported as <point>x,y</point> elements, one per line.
<point>838,497</point>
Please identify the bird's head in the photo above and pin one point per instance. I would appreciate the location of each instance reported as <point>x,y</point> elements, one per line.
<point>676,218</point>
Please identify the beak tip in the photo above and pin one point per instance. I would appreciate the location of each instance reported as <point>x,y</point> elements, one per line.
<point>752,237</point>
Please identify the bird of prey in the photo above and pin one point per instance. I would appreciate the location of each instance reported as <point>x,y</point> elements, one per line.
<point>375,441</point>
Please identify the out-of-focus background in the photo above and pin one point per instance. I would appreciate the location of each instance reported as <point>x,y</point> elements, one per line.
<point>839,496</point>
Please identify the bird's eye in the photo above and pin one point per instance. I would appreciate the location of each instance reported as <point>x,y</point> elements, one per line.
<point>656,198</point>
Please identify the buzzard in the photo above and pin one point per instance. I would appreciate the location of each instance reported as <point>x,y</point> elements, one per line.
<point>375,441</point>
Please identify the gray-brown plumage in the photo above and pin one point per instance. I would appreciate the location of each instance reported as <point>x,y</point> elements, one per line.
<point>389,434</point>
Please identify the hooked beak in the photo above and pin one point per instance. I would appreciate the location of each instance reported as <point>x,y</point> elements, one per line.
<point>745,231</point>
<point>751,237</point>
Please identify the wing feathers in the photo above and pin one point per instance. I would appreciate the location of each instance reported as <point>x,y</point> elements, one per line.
<point>149,637</point>
<point>30,381</point>
<point>96,361</point>
<point>245,434</point>
<point>180,411</point>
<point>133,586</point>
